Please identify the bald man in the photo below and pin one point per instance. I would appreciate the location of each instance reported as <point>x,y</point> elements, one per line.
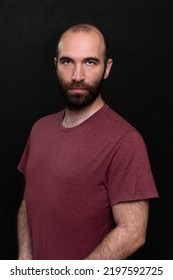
<point>88,177</point>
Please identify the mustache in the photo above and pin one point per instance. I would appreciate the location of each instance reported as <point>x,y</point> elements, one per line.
<point>75,84</point>
<point>65,86</point>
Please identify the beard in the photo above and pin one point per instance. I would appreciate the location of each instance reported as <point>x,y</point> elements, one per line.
<point>78,100</point>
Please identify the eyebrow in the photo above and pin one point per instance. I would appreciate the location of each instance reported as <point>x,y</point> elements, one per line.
<point>92,58</point>
<point>62,58</point>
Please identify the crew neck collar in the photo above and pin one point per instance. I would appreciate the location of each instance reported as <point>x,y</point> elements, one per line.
<point>65,129</point>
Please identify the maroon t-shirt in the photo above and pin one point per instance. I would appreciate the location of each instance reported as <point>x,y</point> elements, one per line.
<point>75,175</point>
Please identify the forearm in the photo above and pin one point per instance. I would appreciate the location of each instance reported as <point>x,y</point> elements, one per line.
<point>118,244</point>
<point>129,235</point>
<point>24,240</point>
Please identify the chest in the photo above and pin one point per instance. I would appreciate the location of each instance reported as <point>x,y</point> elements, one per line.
<point>70,157</point>
<point>69,171</point>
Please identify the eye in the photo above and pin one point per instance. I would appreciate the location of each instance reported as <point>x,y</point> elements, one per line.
<point>66,61</point>
<point>90,62</point>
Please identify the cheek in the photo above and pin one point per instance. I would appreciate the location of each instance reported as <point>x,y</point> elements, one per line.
<point>64,73</point>
<point>95,74</point>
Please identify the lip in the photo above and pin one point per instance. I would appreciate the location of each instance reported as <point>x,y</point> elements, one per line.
<point>78,89</point>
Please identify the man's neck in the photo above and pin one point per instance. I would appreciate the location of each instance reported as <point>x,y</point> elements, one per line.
<point>73,118</point>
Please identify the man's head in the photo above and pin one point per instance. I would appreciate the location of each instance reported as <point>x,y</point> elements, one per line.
<point>82,64</point>
<point>86,28</point>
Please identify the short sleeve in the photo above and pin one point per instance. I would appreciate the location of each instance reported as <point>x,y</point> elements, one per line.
<point>23,161</point>
<point>129,175</point>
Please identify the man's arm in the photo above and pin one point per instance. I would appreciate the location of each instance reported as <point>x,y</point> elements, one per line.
<point>131,220</point>
<point>24,240</point>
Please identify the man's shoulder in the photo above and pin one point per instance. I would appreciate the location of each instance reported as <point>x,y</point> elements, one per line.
<point>119,130</point>
<point>114,122</point>
<point>47,121</point>
<point>50,117</point>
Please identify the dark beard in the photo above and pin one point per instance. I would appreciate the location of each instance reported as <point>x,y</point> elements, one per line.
<point>77,101</point>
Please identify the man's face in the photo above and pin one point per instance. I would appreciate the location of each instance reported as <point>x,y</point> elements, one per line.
<point>81,67</point>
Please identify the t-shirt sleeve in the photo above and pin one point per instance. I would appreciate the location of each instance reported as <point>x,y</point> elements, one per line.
<point>129,175</point>
<point>23,161</point>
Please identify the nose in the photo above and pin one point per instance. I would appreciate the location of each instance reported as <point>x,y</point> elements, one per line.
<point>78,74</point>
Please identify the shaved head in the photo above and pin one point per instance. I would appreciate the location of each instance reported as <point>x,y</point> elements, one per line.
<point>85,28</point>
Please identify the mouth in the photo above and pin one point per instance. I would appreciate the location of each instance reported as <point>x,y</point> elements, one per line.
<point>77,89</point>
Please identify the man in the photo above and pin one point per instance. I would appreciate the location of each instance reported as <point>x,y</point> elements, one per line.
<point>88,178</point>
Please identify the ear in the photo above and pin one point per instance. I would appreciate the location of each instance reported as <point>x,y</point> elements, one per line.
<point>55,61</point>
<point>108,67</point>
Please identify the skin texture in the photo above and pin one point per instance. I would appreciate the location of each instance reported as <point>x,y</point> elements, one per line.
<point>80,65</point>
<point>129,234</point>
<point>24,240</point>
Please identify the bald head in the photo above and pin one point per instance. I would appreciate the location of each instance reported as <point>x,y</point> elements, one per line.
<point>85,28</point>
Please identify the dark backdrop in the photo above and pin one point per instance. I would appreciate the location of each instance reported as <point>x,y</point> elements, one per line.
<point>139,88</point>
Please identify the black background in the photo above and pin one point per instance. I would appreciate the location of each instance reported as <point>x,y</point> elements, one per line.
<point>139,88</point>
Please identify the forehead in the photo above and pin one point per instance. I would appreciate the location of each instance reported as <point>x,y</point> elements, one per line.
<point>85,44</point>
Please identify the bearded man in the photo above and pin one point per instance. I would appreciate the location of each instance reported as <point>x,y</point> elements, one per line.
<point>88,177</point>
